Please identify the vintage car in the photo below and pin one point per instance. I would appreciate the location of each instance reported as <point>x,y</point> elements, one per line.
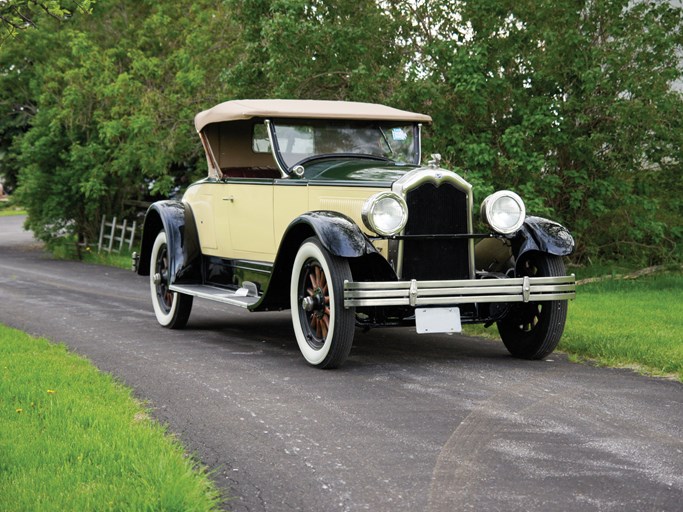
<point>324,208</point>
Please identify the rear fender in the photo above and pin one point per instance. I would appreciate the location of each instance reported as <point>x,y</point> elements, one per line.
<point>177,220</point>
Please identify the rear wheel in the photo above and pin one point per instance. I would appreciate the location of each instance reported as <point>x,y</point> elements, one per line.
<point>324,328</point>
<point>532,330</point>
<point>172,309</point>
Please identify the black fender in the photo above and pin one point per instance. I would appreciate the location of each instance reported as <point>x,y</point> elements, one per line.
<point>339,234</point>
<point>539,234</point>
<point>177,220</point>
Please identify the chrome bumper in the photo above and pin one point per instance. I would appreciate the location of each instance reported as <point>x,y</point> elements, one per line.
<point>466,291</point>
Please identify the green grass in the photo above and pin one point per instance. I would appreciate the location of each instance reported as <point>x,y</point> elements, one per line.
<point>119,260</point>
<point>72,438</point>
<point>7,212</point>
<point>603,269</point>
<point>9,207</point>
<point>66,249</point>
<point>633,323</point>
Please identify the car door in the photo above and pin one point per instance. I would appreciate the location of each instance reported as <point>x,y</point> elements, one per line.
<point>248,206</point>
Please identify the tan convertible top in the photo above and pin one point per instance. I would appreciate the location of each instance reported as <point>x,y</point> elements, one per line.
<point>303,109</point>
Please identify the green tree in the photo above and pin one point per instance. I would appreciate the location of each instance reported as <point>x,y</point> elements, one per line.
<point>315,49</point>
<point>17,104</point>
<point>116,100</point>
<point>17,15</point>
<point>16,69</point>
<point>569,103</point>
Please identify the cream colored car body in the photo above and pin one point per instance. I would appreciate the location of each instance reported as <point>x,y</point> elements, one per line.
<point>238,220</point>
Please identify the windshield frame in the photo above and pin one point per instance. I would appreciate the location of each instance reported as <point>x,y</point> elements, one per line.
<point>290,168</point>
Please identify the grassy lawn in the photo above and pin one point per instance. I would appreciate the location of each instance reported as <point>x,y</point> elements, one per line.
<point>6,212</point>
<point>634,323</point>
<point>72,438</point>
<point>120,260</point>
<point>629,322</point>
<point>67,250</point>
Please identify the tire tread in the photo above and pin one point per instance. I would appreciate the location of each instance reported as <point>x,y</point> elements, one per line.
<point>538,344</point>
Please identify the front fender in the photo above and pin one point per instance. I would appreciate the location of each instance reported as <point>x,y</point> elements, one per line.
<point>539,234</point>
<point>177,220</point>
<point>338,233</point>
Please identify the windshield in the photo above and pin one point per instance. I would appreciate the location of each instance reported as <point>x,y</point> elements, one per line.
<point>297,141</point>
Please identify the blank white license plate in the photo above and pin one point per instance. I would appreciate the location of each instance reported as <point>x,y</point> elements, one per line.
<point>431,320</point>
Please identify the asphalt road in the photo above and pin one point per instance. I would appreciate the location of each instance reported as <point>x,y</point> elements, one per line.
<point>428,423</point>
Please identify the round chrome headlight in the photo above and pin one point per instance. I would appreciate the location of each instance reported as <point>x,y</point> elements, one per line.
<point>385,213</point>
<point>504,211</point>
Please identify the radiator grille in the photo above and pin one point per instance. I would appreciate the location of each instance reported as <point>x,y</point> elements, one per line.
<point>436,210</point>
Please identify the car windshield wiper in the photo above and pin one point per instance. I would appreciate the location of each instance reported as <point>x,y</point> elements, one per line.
<point>386,140</point>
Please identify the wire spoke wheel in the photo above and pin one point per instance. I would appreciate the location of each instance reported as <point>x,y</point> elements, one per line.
<point>532,330</point>
<point>324,328</point>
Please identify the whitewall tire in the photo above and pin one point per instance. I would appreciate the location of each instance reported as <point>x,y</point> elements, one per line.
<point>171,309</point>
<point>324,328</point>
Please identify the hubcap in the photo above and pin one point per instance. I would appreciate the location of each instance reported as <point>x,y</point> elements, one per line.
<point>160,280</point>
<point>315,304</point>
<point>308,304</point>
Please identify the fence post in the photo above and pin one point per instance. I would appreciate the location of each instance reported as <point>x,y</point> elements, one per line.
<point>123,234</point>
<point>127,233</point>
<point>132,235</point>
<point>112,235</point>
<point>99,244</point>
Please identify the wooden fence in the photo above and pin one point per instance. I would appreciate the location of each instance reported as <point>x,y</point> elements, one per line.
<point>113,235</point>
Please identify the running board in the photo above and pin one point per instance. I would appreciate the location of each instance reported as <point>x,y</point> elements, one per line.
<point>234,298</point>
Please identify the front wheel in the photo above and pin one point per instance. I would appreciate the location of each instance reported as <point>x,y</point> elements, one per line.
<point>532,330</point>
<point>172,309</point>
<point>324,328</point>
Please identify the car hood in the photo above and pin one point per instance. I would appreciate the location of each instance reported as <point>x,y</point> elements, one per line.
<point>356,170</point>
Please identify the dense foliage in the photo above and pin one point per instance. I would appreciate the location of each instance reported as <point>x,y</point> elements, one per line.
<point>18,15</point>
<point>568,103</point>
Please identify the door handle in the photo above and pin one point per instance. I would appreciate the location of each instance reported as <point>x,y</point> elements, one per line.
<point>229,198</point>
